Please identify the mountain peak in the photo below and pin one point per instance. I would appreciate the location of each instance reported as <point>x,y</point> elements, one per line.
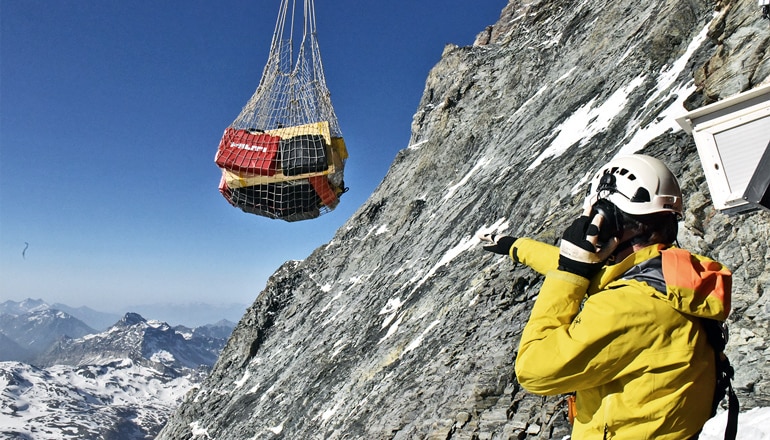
<point>130,319</point>
<point>22,307</point>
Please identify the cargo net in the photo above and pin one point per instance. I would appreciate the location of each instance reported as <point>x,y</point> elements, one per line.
<point>284,156</point>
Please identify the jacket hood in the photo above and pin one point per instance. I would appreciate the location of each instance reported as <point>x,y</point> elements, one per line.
<point>696,285</point>
<point>690,283</point>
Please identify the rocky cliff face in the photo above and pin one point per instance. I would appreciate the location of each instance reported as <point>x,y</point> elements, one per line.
<point>402,327</point>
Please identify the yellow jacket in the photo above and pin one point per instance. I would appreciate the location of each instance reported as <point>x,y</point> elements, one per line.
<point>636,356</point>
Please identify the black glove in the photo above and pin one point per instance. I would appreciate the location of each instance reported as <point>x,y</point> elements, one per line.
<point>578,252</point>
<point>500,244</point>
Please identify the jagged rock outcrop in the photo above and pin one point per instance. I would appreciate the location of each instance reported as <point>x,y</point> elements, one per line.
<point>402,327</point>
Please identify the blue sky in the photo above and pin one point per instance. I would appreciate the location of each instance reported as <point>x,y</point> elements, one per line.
<point>111,112</point>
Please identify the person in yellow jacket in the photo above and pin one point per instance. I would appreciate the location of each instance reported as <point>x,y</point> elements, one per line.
<point>619,319</point>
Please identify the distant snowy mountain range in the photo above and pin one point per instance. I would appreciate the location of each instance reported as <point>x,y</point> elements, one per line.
<point>194,314</point>
<point>60,378</point>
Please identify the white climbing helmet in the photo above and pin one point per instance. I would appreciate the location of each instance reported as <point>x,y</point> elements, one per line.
<point>637,185</point>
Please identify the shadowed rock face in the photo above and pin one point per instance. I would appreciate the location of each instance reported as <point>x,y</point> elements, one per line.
<point>402,327</point>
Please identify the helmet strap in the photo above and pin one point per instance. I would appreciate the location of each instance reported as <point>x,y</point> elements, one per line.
<point>621,247</point>
<point>642,236</point>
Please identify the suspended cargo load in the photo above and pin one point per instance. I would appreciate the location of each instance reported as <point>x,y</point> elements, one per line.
<point>284,155</point>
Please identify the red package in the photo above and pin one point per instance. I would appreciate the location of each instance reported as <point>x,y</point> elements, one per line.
<point>246,152</point>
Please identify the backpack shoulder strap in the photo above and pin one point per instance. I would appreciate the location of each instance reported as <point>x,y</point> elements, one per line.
<point>716,332</point>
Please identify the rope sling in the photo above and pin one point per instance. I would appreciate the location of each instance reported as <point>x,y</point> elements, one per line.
<point>284,156</point>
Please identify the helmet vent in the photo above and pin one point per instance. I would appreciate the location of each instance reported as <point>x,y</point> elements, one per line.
<point>623,172</point>
<point>641,196</point>
<point>630,176</point>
